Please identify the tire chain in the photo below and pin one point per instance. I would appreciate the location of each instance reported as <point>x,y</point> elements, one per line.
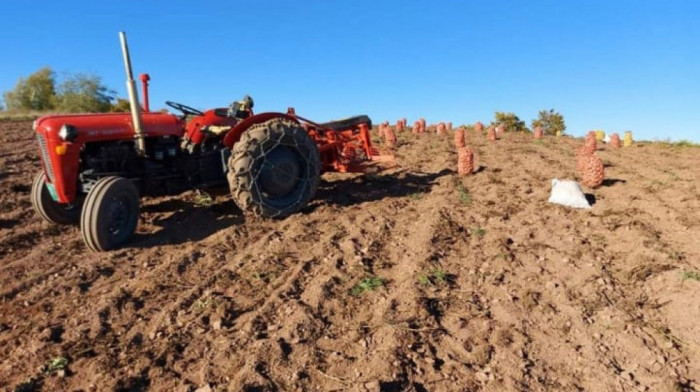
<point>245,192</point>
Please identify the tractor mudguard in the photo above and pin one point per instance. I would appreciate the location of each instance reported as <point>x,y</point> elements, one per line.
<point>234,134</point>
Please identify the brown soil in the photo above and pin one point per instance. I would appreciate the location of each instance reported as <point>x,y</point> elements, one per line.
<point>485,286</point>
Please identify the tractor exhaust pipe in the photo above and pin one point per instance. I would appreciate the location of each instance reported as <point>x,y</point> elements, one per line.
<point>133,98</point>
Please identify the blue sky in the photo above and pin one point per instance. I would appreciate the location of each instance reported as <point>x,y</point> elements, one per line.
<point>603,64</point>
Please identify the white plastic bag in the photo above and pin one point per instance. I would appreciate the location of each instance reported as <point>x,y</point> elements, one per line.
<point>568,193</point>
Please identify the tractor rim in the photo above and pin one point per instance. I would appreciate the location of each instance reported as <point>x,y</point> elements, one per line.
<point>118,212</point>
<point>280,172</point>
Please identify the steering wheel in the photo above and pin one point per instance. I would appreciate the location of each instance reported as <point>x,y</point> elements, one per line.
<point>184,108</point>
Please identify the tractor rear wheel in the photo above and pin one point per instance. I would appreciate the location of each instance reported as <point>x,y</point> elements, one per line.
<point>274,169</point>
<point>110,214</point>
<point>50,210</point>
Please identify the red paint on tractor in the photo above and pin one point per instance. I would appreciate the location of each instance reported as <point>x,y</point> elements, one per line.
<point>91,128</point>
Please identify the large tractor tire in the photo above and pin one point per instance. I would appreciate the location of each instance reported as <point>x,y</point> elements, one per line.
<point>50,210</point>
<point>110,214</point>
<point>274,169</point>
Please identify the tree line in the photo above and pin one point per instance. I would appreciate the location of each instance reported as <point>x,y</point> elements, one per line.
<point>86,93</point>
<point>550,121</point>
<point>42,91</point>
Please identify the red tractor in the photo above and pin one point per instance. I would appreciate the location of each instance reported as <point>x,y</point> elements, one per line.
<point>97,166</point>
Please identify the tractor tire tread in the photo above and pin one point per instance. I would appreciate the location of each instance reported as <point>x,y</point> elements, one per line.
<point>89,219</point>
<point>252,146</point>
<point>89,210</point>
<point>47,208</point>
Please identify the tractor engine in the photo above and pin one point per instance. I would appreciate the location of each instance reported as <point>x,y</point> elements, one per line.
<point>164,148</point>
<point>121,158</point>
<point>117,157</point>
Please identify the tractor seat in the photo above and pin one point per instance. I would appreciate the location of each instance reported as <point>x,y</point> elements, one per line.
<point>348,123</point>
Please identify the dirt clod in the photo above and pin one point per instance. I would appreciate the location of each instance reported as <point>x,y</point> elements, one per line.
<point>465,283</point>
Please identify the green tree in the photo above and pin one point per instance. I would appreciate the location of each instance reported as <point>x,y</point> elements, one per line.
<point>84,93</point>
<point>550,121</point>
<point>37,92</point>
<point>122,105</point>
<point>511,122</point>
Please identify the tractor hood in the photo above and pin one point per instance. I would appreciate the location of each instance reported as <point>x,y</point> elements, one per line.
<point>85,128</point>
<point>61,138</point>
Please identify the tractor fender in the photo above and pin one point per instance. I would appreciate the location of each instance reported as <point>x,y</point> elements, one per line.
<point>235,133</point>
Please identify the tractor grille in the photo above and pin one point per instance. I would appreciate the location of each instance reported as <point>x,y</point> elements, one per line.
<point>45,156</point>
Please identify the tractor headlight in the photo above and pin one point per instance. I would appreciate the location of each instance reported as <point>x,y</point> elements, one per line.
<point>68,133</point>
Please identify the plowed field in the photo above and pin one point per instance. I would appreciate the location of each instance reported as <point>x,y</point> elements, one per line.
<point>414,279</point>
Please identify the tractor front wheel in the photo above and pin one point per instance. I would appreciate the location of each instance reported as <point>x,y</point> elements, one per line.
<point>274,169</point>
<point>110,214</point>
<point>49,209</point>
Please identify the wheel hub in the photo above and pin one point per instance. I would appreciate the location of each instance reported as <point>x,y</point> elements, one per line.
<point>118,214</point>
<point>280,172</point>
